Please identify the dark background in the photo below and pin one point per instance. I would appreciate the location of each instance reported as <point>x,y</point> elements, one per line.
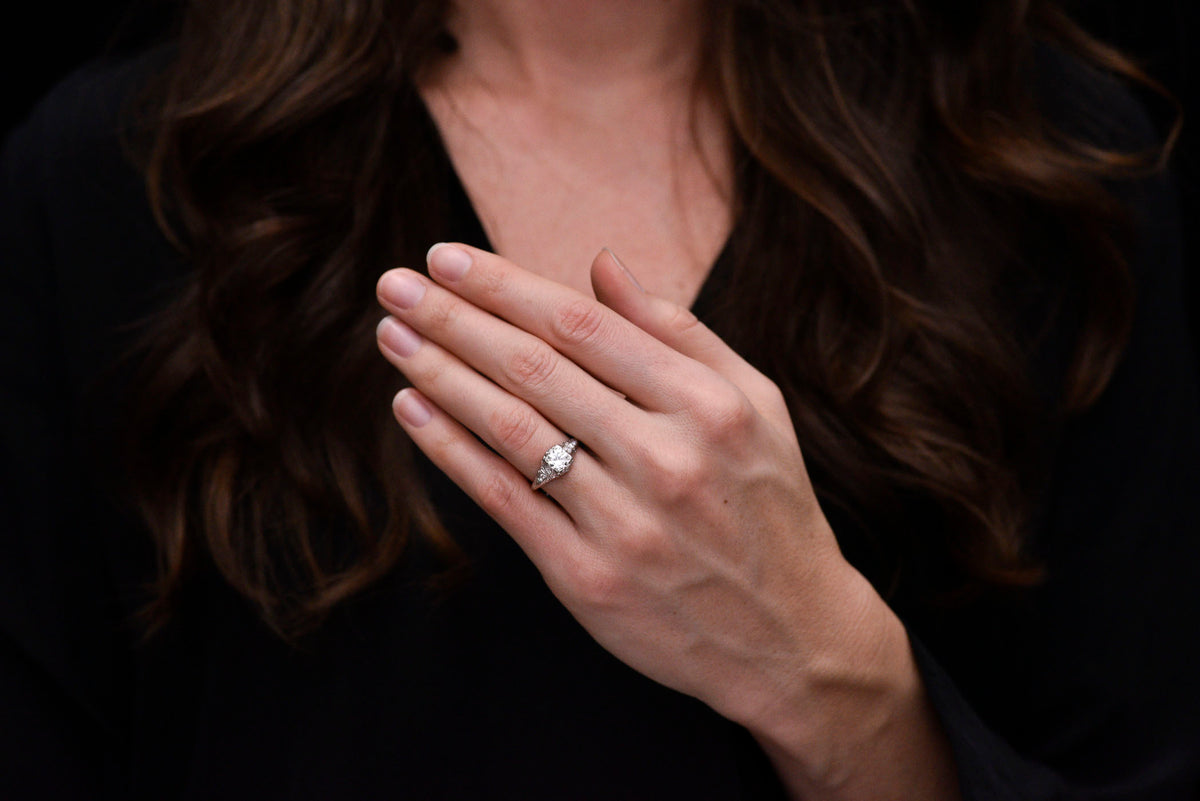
<point>54,38</point>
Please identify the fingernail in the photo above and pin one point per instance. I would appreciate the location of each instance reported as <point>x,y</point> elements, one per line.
<point>412,409</point>
<point>447,261</point>
<point>398,337</point>
<point>625,269</point>
<point>402,288</point>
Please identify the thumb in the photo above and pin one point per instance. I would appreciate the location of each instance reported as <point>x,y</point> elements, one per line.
<point>668,322</point>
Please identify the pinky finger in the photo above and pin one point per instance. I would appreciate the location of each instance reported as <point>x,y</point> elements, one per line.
<point>537,523</point>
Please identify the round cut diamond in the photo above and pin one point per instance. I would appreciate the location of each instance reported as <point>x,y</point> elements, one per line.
<point>555,462</point>
<point>557,459</point>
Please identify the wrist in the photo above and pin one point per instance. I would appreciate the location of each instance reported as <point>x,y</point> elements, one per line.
<point>847,688</point>
<point>859,723</point>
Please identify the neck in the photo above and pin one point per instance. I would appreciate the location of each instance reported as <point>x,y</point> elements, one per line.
<point>544,46</point>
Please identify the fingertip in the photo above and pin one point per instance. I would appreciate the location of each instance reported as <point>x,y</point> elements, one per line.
<point>613,284</point>
<point>381,281</point>
<point>394,336</point>
<point>432,248</point>
<point>412,409</point>
<point>621,265</point>
<point>381,327</point>
<point>448,260</point>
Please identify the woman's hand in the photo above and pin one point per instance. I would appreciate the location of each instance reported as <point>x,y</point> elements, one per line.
<point>686,537</point>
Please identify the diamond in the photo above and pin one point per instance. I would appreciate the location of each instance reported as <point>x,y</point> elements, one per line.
<point>557,459</point>
<point>555,462</point>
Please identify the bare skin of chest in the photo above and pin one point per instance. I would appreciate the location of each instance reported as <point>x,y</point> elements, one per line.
<point>553,185</point>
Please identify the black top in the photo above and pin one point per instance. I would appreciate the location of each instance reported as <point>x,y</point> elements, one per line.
<point>1085,689</point>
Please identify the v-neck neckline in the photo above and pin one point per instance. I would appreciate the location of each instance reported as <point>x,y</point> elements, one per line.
<point>467,227</point>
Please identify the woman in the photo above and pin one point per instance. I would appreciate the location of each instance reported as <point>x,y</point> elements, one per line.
<point>896,513</point>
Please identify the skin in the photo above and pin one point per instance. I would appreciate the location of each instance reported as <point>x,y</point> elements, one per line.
<point>686,538</point>
<point>580,125</point>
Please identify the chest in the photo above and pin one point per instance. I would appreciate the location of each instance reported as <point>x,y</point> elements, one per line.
<point>551,193</point>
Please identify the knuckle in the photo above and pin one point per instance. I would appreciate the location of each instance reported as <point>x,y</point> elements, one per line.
<point>774,399</point>
<point>437,445</point>
<point>514,429</point>
<point>645,546</point>
<point>493,281</point>
<point>772,394</point>
<point>597,583</point>
<point>577,321</point>
<point>674,474</point>
<point>444,444</point>
<point>726,415</point>
<point>532,366</point>
<point>426,372</point>
<point>498,494</point>
<point>441,313</point>
<point>681,321</point>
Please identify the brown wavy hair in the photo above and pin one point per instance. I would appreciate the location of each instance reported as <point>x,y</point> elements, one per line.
<point>897,184</point>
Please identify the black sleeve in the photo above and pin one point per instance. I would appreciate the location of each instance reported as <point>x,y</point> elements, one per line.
<point>45,721</point>
<point>1113,710</point>
<point>64,651</point>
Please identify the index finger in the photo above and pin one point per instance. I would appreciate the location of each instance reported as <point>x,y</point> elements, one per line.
<point>602,342</point>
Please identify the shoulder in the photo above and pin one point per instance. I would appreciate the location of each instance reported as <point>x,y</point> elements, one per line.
<point>78,241</point>
<point>87,113</point>
<point>68,162</point>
